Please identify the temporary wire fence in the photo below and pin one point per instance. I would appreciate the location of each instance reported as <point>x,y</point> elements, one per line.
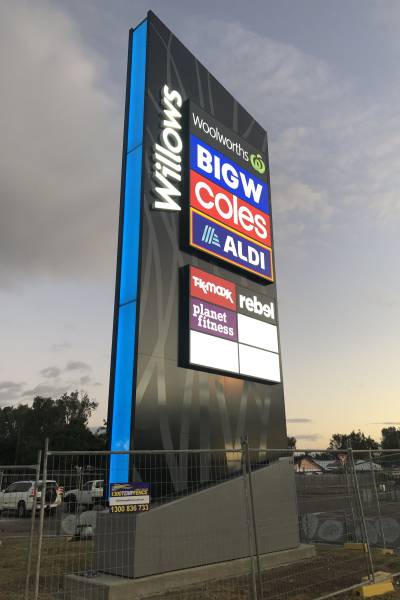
<point>221,524</point>
<point>20,498</point>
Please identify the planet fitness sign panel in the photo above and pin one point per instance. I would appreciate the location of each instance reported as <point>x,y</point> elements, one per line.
<point>229,214</point>
<point>232,329</point>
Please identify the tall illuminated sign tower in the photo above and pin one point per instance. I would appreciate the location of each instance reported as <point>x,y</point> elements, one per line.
<point>196,352</point>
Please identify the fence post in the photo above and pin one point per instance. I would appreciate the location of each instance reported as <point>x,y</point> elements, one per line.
<point>349,493</point>
<point>364,531</point>
<point>378,504</point>
<point>249,526</point>
<point>253,514</point>
<point>32,532</point>
<point>41,521</point>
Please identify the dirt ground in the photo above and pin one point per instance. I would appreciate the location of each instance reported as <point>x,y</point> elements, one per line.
<point>332,569</point>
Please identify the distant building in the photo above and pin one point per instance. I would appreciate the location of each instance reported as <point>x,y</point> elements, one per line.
<point>309,465</point>
<point>366,465</point>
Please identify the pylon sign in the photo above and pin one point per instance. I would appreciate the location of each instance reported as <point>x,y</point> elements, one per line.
<point>196,355</point>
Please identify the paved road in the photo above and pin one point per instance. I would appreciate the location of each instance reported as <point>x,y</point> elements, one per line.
<point>11,527</point>
<point>336,503</point>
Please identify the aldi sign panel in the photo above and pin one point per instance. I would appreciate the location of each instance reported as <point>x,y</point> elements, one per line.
<point>212,237</point>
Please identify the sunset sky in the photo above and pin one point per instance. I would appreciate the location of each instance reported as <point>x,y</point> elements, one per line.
<point>321,77</point>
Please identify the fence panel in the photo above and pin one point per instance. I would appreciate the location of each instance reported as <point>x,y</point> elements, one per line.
<point>329,519</point>
<point>199,511</point>
<point>214,527</point>
<point>379,479</point>
<point>19,503</point>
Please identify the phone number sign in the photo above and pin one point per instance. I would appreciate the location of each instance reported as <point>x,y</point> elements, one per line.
<point>129,497</point>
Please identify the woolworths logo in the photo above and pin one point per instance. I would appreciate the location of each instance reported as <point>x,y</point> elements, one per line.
<point>257,163</point>
<point>214,132</point>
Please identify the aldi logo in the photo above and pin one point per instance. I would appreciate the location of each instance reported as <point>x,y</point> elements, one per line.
<point>209,236</point>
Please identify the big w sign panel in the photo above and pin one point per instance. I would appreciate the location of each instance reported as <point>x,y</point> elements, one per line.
<point>196,329</point>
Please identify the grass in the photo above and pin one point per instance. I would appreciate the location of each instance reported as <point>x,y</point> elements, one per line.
<point>13,562</point>
<point>59,557</point>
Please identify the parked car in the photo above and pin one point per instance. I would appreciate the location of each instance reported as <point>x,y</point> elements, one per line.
<point>85,498</point>
<point>19,496</point>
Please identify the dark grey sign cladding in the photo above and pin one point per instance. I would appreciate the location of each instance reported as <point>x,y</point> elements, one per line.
<point>177,407</point>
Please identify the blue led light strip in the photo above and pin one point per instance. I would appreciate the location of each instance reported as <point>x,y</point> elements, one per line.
<point>125,357</point>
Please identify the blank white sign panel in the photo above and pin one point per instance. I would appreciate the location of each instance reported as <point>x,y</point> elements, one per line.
<point>216,353</point>
<point>259,363</point>
<point>257,333</point>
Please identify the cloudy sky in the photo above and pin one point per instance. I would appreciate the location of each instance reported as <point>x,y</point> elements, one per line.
<point>321,77</point>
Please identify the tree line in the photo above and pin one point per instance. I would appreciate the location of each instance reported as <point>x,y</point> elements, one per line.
<point>390,438</point>
<point>64,420</point>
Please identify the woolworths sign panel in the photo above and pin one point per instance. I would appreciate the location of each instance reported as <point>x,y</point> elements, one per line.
<point>196,350</point>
